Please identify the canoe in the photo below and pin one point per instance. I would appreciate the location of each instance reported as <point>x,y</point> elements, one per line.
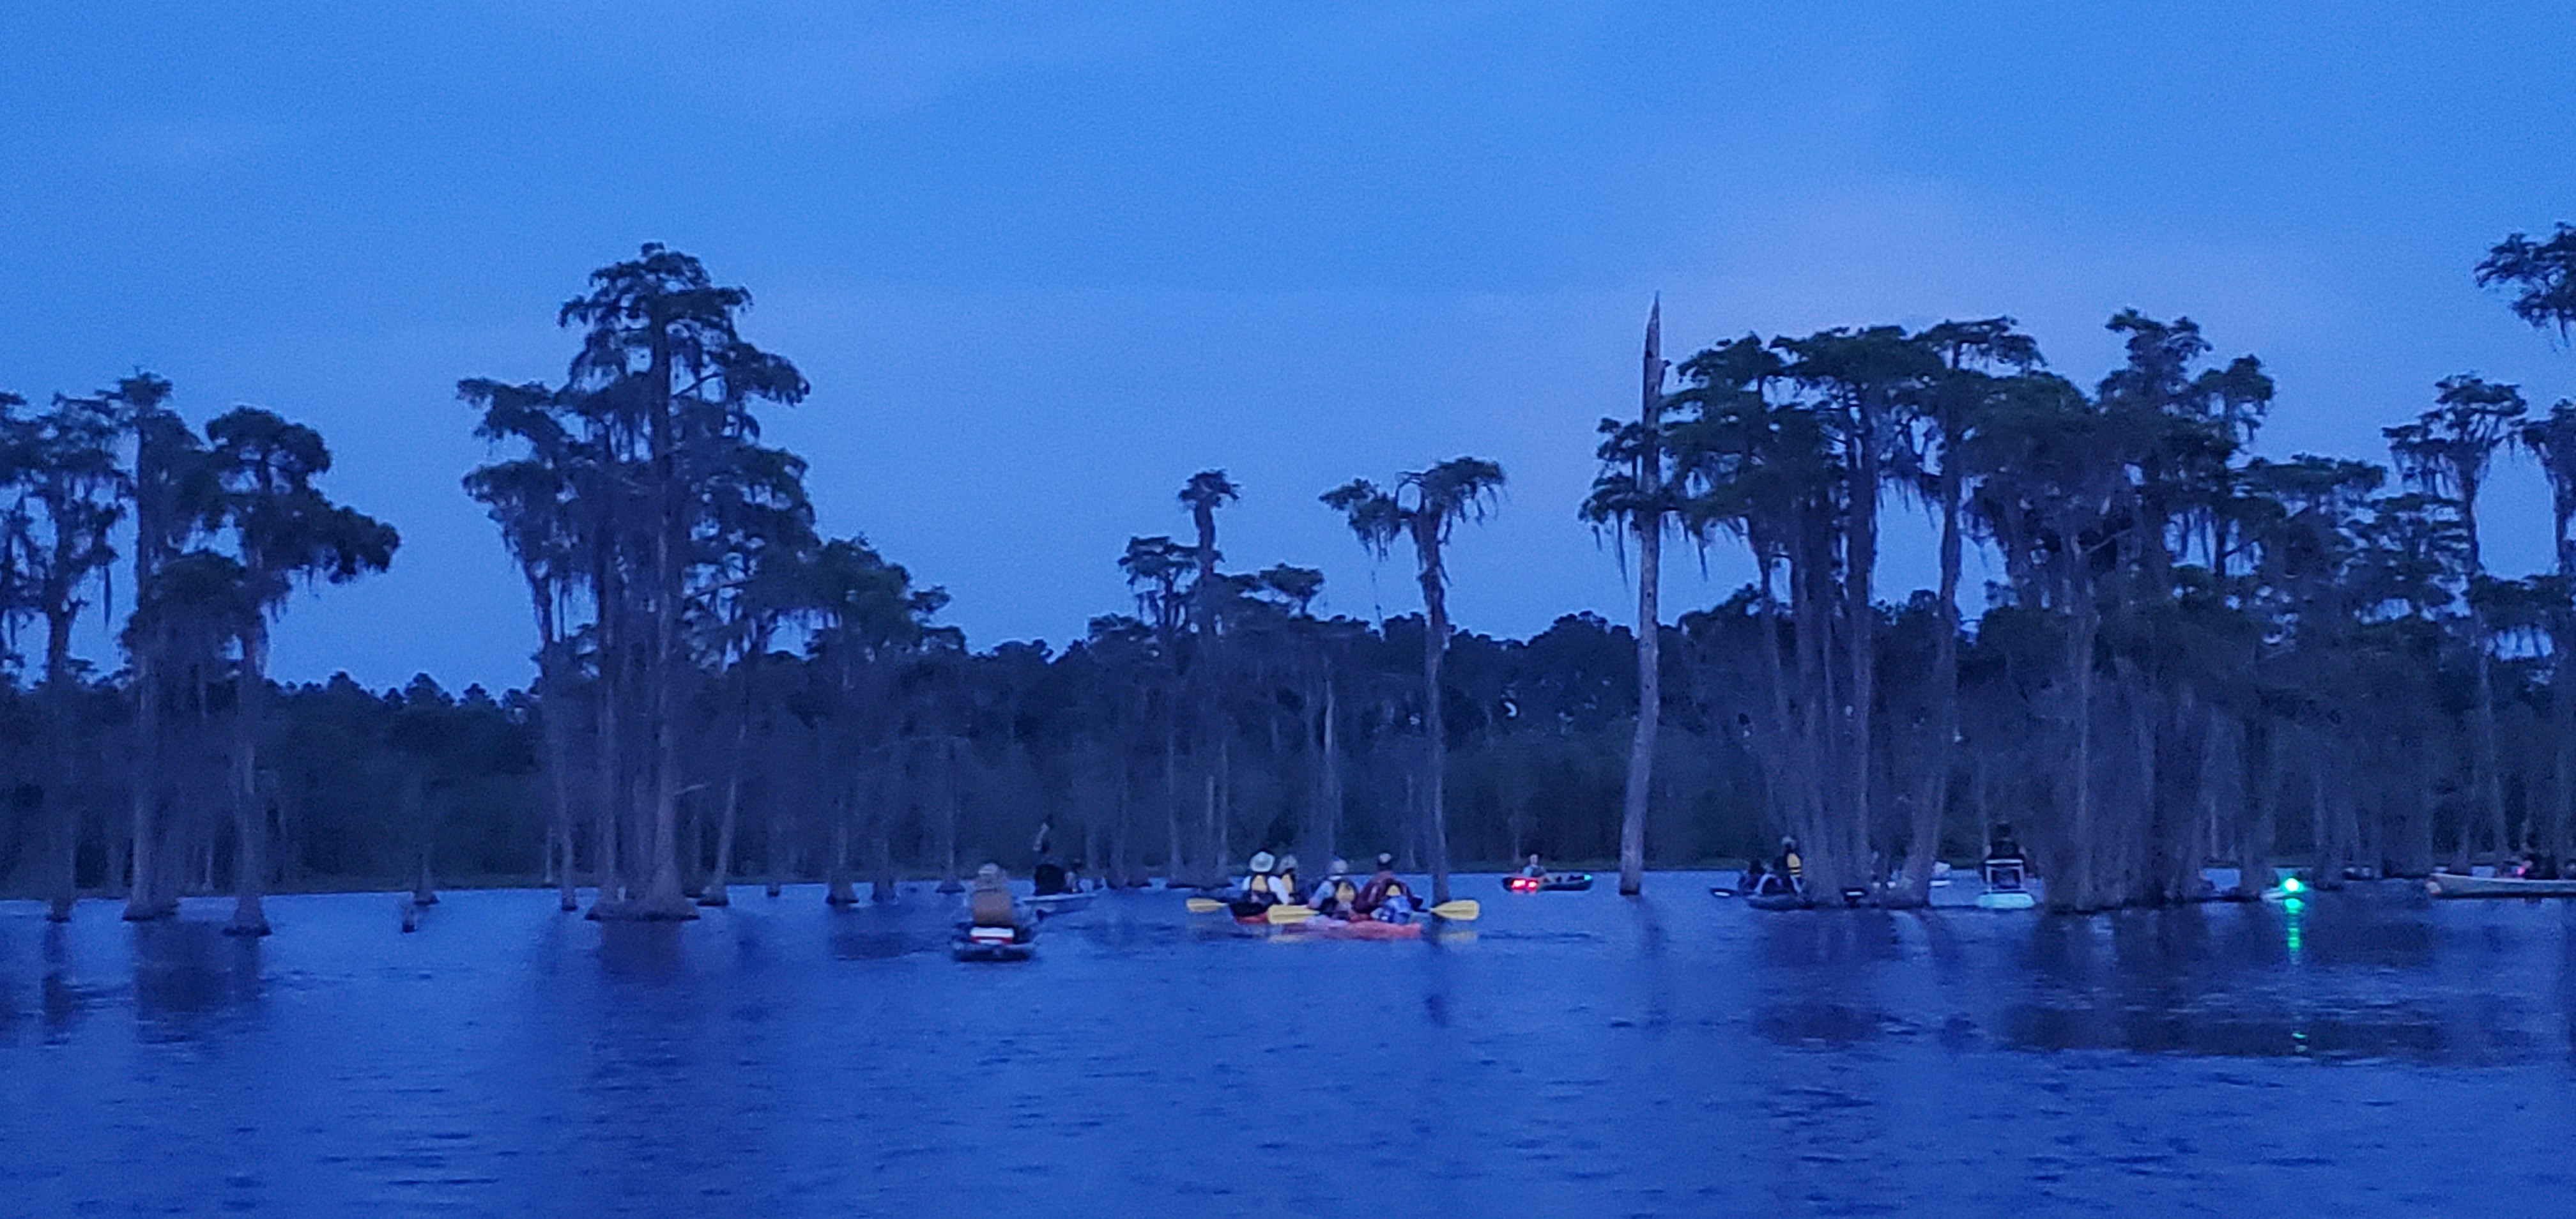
<point>1355,929</point>
<point>1553,882</point>
<point>2444,884</point>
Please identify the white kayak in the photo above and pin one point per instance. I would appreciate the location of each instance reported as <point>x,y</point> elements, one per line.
<point>2445,884</point>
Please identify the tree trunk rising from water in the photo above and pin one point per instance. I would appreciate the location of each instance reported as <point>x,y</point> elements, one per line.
<point>1648,523</point>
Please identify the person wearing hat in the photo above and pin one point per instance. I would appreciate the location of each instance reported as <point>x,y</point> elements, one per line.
<point>1385,897</point>
<point>1338,895</point>
<point>1284,881</point>
<point>1260,887</point>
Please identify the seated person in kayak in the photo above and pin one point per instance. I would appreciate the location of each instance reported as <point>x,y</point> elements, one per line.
<point>2002,846</point>
<point>1534,869</point>
<point>1283,880</point>
<point>2004,866</point>
<point>1337,895</point>
<point>988,900</point>
<point>1050,877</point>
<point>1259,888</point>
<point>1788,871</point>
<point>1385,897</point>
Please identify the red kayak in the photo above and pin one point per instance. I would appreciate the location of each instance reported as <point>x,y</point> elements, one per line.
<point>1354,929</point>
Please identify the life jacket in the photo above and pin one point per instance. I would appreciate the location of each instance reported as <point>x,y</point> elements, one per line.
<point>1258,885</point>
<point>990,907</point>
<point>1795,865</point>
<point>1338,891</point>
<point>1286,883</point>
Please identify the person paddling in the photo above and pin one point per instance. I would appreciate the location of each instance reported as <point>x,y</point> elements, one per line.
<point>1337,895</point>
<point>1385,897</point>
<point>1260,887</point>
<point>1790,869</point>
<point>988,900</point>
<point>2004,866</point>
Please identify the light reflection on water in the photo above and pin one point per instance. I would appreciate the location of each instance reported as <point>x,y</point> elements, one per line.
<point>1577,1054</point>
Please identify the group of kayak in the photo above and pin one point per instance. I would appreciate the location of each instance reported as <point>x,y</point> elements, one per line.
<point>1342,905</point>
<point>1270,884</point>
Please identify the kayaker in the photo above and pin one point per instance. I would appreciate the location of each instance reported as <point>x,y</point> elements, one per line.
<point>1385,897</point>
<point>1050,877</point>
<point>1260,887</point>
<point>2001,845</point>
<point>1790,867</point>
<point>1284,881</point>
<point>1337,895</point>
<point>988,900</point>
<point>1534,869</point>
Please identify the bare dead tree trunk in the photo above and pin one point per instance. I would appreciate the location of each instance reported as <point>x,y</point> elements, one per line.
<point>838,890</point>
<point>145,895</point>
<point>1649,525</point>
<point>250,816</point>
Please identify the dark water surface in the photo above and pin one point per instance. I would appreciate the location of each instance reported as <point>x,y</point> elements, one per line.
<point>2368,1053</point>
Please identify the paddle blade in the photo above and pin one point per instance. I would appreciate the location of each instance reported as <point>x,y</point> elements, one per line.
<point>1290,914</point>
<point>1463,910</point>
<point>1205,905</point>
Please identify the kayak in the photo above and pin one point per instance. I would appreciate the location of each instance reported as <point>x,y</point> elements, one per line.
<point>2444,884</point>
<point>993,944</point>
<point>1553,882</point>
<point>2006,899</point>
<point>1776,901</point>
<point>1353,929</point>
<point>1058,903</point>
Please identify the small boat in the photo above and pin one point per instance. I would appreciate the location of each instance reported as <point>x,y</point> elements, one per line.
<point>994,944</point>
<point>1352,929</point>
<point>2445,884</point>
<point>1553,882</point>
<point>2004,876</point>
<point>1058,903</point>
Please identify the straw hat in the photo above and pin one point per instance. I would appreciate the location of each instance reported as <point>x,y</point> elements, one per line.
<point>1262,862</point>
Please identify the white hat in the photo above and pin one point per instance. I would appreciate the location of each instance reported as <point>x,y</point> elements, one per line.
<point>1262,862</point>
<point>1341,867</point>
<point>1287,863</point>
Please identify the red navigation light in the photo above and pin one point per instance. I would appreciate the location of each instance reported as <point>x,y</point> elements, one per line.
<point>1522,884</point>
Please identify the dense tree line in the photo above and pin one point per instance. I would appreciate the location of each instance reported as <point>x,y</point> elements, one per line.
<point>2194,654</point>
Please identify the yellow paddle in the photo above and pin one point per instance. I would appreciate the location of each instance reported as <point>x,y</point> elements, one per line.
<point>1275,914</point>
<point>1463,910</point>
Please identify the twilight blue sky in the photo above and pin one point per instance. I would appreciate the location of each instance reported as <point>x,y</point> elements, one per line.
<point>1042,261</point>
